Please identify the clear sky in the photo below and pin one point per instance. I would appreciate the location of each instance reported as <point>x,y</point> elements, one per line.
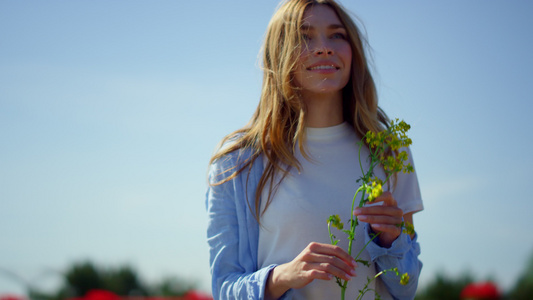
<point>109,112</point>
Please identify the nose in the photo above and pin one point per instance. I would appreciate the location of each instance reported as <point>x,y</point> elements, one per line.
<point>322,47</point>
<point>323,51</point>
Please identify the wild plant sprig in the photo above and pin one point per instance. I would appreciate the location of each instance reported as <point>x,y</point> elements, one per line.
<point>384,149</point>
<point>404,280</point>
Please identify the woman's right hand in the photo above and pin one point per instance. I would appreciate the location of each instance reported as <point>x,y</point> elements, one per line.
<point>316,261</point>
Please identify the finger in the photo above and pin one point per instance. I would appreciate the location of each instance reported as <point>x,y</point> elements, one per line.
<point>388,228</point>
<point>331,270</point>
<point>319,274</point>
<point>329,263</point>
<point>332,259</point>
<point>381,219</point>
<point>387,234</point>
<point>332,250</point>
<point>379,210</point>
<point>387,199</point>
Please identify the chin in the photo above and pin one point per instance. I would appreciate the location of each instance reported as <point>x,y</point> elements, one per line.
<point>328,89</point>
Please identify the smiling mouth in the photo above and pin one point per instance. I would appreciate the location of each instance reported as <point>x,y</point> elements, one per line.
<point>323,68</point>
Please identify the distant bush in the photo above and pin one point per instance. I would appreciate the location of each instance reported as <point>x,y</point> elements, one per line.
<point>82,277</point>
<point>444,287</point>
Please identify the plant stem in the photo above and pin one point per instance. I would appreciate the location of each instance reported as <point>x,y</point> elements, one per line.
<point>353,220</point>
<point>330,235</point>
<point>360,164</point>
<point>371,239</point>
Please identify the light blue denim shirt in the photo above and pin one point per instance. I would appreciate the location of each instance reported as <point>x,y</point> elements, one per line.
<point>233,236</point>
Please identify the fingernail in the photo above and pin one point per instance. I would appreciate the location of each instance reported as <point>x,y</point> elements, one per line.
<point>352,272</point>
<point>357,211</point>
<point>362,218</point>
<point>348,277</point>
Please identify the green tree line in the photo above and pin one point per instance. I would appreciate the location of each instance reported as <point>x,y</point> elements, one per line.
<point>123,280</point>
<point>81,277</point>
<point>444,287</point>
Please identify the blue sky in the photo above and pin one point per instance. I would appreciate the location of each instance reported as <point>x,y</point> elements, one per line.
<point>109,112</point>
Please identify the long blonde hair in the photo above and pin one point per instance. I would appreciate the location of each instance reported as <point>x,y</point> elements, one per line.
<point>277,125</point>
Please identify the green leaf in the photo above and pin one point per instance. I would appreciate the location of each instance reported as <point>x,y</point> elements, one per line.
<point>349,233</point>
<point>364,262</point>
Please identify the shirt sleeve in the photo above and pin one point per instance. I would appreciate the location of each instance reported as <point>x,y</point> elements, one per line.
<point>403,254</point>
<point>231,234</point>
<point>404,251</point>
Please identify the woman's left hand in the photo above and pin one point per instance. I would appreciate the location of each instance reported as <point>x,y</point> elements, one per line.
<point>385,219</point>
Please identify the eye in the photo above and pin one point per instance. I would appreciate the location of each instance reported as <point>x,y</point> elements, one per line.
<point>339,35</point>
<point>306,37</point>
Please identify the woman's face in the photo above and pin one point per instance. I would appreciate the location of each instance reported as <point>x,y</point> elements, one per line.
<point>324,64</point>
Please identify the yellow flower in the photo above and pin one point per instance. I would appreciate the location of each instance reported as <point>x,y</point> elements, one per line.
<point>405,279</point>
<point>408,228</point>
<point>392,139</point>
<point>375,190</point>
<point>408,169</point>
<point>335,221</point>
<point>402,156</point>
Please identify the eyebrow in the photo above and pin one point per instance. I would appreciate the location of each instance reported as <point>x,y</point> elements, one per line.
<point>332,26</point>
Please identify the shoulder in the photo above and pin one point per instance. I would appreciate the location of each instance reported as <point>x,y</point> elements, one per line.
<point>232,151</point>
<point>232,155</point>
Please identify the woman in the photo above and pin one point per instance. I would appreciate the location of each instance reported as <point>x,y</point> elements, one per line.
<point>274,183</point>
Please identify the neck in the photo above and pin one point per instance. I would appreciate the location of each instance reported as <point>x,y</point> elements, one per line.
<point>323,110</point>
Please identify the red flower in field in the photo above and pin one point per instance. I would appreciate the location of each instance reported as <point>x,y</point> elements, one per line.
<point>481,290</point>
<point>98,295</point>
<point>11,297</point>
<point>195,295</point>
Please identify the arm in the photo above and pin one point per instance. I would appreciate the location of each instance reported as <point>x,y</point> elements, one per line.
<point>403,254</point>
<point>231,234</point>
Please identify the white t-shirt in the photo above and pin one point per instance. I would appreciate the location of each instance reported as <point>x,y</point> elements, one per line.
<point>325,186</point>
